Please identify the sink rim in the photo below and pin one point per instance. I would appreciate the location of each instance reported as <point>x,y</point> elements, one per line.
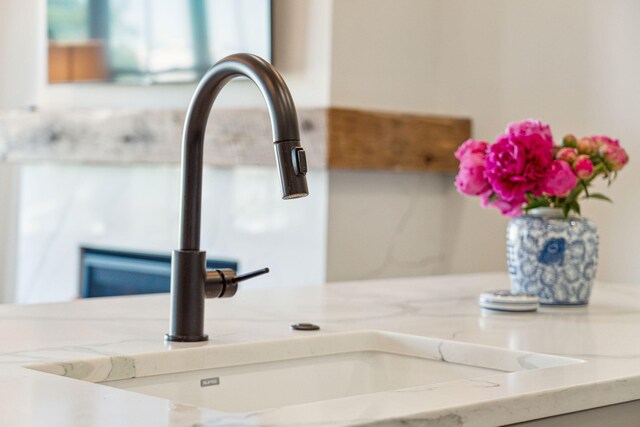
<point>193,358</point>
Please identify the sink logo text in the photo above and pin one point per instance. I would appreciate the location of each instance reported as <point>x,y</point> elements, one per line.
<point>206,382</point>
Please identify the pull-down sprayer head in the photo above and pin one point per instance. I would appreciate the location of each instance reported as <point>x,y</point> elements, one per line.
<point>292,164</point>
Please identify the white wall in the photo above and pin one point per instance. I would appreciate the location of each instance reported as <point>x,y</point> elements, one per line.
<point>9,179</point>
<point>384,54</point>
<point>385,224</point>
<point>16,90</point>
<point>572,63</point>
<point>19,48</point>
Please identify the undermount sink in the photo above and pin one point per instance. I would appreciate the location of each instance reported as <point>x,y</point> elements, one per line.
<point>255,376</point>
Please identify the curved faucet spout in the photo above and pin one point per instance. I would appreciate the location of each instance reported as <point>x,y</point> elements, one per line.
<point>282,110</point>
<point>190,281</point>
<point>290,157</point>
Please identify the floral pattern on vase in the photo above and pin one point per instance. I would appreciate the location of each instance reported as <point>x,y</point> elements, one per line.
<point>552,257</point>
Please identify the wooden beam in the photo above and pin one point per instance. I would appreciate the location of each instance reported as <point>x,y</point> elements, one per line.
<point>334,138</point>
<point>393,141</point>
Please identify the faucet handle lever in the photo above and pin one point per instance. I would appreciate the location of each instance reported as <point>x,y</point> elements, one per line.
<point>223,283</point>
<point>251,275</point>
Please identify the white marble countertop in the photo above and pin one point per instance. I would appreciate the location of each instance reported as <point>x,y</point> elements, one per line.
<point>605,334</point>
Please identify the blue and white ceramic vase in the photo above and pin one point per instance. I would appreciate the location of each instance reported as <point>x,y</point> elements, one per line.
<point>552,257</point>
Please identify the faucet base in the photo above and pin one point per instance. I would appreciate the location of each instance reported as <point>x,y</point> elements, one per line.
<point>188,274</point>
<point>186,338</point>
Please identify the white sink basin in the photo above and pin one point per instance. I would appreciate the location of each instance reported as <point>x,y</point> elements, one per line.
<point>261,375</point>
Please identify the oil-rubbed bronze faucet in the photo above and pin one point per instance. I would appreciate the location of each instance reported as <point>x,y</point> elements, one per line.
<point>190,282</point>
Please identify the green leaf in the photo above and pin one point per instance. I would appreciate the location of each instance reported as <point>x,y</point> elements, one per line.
<point>537,203</point>
<point>575,206</point>
<point>584,185</point>
<point>600,196</point>
<point>529,196</point>
<point>573,195</point>
<point>565,210</point>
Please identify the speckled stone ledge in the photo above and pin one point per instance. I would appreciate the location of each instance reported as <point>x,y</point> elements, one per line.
<point>234,137</point>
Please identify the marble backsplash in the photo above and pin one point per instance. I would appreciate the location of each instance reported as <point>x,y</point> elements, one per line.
<point>64,206</point>
<point>234,137</point>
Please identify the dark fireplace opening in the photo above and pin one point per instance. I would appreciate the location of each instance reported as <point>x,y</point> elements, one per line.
<point>106,272</point>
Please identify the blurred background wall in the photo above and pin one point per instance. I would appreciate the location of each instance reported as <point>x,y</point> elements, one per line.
<point>573,64</point>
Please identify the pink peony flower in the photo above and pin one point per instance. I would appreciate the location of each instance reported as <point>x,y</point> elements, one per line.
<point>567,154</point>
<point>560,180</point>
<point>601,140</point>
<point>587,146</point>
<point>510,209</point>
<point>614,157</point>
<point>469,147</point>
<point>525,168</point>
<point>519,161</point>
<point>529,127</point>
<point>583,166</point>
<point>471,179</point>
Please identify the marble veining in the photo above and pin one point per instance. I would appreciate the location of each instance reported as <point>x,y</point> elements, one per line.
<point>604,334</point>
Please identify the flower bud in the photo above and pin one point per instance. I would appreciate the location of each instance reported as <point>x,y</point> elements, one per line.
<point>613,157</point>
<point>583,166</point>
<point>567,154</point>
<point>601,140</point>
<point>569,141</point>
<point>560,179</point>
<point>587,146</point>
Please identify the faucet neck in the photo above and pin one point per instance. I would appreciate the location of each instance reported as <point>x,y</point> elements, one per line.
<point>284,122</point>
